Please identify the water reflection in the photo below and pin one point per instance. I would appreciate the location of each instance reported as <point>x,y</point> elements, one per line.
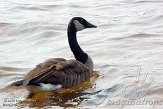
<point>69,97</point>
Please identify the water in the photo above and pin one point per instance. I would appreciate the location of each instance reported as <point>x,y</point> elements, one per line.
<point>126,49</point>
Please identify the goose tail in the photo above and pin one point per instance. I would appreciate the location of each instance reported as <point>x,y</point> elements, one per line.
<point>17,83</point>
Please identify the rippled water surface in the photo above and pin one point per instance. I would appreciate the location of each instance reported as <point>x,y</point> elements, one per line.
<point>127,50</point>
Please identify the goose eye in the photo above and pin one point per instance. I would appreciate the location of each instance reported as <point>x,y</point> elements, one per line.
<point>81,20</point>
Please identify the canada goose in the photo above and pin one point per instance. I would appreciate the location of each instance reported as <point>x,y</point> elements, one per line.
<point>55,73</point>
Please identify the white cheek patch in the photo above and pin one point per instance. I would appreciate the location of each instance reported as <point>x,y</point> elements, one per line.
<point>78,25</point>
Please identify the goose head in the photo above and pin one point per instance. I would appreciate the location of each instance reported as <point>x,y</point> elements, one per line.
<point>79,23</point>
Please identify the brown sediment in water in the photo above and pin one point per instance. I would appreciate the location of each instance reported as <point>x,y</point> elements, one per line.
<point>61,96</point>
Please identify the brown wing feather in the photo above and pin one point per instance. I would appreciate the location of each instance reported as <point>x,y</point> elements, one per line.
<point>43,67</point>
<point>68,73</point>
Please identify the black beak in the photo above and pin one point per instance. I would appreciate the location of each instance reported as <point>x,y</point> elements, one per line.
<point>89,25</point>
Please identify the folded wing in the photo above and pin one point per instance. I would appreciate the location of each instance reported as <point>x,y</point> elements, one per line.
<point>68,73</point>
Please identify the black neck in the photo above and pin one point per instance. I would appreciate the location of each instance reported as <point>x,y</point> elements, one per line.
<point>75,48</point>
